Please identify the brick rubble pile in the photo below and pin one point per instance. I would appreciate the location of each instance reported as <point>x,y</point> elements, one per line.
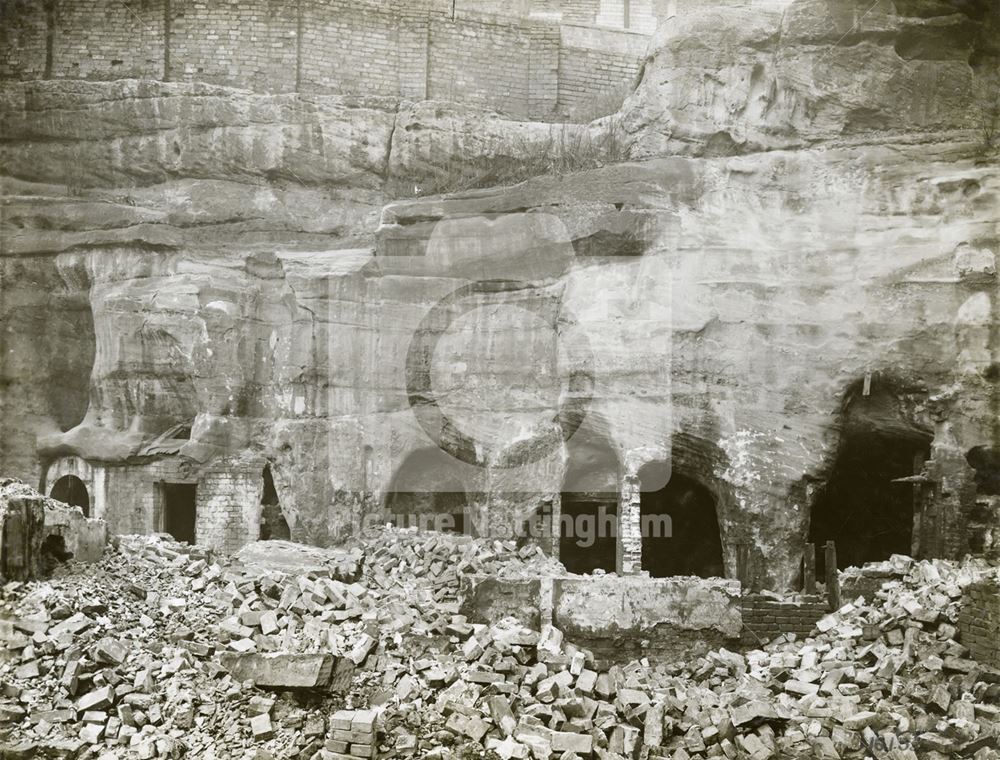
<point>164,650</point>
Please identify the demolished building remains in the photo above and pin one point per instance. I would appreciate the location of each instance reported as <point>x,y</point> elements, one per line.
<point>625,372</point>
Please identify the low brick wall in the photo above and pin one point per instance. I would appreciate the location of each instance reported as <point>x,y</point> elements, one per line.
<point>765,617</point>
<point>979,621</point>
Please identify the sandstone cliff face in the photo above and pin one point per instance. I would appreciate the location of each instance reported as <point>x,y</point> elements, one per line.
<point>185,254</point>
<point>727,81</point>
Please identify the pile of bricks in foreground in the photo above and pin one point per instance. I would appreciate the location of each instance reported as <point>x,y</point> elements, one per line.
<point>162,650</point>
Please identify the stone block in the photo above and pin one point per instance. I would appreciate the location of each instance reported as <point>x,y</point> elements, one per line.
<point>281,670</point>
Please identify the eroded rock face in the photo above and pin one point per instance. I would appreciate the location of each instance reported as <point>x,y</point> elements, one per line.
<point>725,81</point>
<point>236,263</point>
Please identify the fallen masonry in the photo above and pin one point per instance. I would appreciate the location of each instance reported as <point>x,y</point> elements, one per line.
<point>166,650</point>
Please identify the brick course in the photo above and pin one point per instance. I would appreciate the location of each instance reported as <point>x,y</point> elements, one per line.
<point>765,618</point>
<point>979,621</point>
<point>108,39</point>
<point>251,43</point>
<point>23,31</point>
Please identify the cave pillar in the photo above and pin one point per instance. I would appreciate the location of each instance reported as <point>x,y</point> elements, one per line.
<point>762,515</point>
<point>630,527</point>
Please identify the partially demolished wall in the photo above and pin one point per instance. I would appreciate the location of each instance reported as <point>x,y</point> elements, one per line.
<point>37,533</point>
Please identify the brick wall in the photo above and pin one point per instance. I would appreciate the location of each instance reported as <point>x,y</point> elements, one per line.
<point>579,11</point>
<point>765,617</point>
<point>510,68</point>
<point>251,43</point>
<point>979,621</point>
<point>108,39</point>
<point>415,50</point>
<point>347,48</point>
<point>584,74</point>
<point>132,496</point>
<point>597,65</point>
<point>23,32</point>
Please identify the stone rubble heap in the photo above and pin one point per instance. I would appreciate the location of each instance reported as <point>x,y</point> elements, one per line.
<point>163,650</point>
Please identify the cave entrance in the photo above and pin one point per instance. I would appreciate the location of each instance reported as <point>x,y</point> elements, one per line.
<point>273,525</point>
<point>679,527</point>
<point>427,493</point>
<point>861,509</point>
<point>69,489</point>
<point>179,512</point>
<point>588,523</point>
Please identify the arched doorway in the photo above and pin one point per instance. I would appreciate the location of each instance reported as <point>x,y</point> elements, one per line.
<point>427,493</point>
<point>861,509</point>
<point>679,526</point>
<point>69,489</point>
<point>273,525</point>
<point>588,523</point>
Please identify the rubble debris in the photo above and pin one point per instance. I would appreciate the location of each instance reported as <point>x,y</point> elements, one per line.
<point>164,650</point>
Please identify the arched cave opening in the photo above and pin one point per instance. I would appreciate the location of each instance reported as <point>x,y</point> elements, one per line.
<point>679,526</point>
<point>69,489</point>
<point>427,494</point>
<point>588,524</point>
<point>861,509</point>
<point>273,525</point>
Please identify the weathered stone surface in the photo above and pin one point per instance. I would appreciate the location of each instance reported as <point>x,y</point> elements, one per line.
<point>611,604</point>
<point>143,134</point>
<point>277,670</point>
<point>812,70</point>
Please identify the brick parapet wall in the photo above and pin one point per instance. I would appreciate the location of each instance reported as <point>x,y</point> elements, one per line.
<point>979,621</point>
<point>765,618</point>
<point>526,67</point>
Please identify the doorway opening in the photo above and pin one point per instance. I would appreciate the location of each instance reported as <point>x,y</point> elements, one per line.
<point>273,525</point>
<point>179,511</point>
<point>588,524</point>
<point>680,529</point>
